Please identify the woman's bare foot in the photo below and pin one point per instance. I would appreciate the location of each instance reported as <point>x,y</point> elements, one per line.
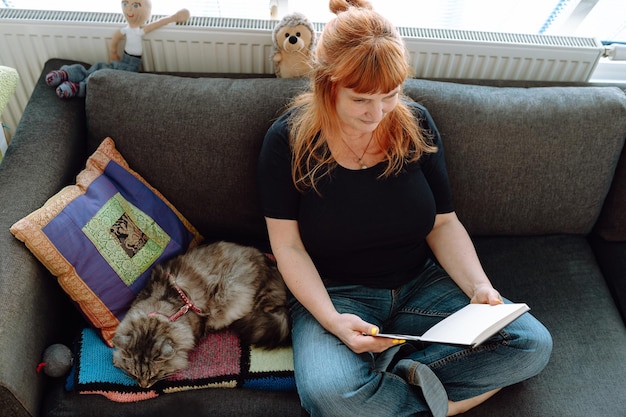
<point>459,407</point>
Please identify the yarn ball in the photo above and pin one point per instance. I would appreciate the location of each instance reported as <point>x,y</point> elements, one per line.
<point>57,360</point>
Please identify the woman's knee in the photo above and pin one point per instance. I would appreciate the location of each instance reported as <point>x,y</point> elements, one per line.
<point>533,341</point>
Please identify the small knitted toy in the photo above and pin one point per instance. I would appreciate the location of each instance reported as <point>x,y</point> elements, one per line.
<point>57,360</point>
<point>71,80</point>
<point>8,82</point>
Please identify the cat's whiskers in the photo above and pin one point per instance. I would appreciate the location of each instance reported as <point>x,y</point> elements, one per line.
<point>189,305</point>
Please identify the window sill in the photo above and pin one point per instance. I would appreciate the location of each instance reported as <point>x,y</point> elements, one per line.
<point>608,71</point>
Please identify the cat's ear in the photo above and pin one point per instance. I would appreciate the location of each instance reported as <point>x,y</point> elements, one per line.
<point>167,351</point>
<point>157,270</point>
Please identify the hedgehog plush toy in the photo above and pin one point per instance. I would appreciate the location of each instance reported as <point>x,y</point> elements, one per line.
<point>294,42</point>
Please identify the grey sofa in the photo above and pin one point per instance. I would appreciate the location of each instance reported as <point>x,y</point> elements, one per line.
<point>537,178</point>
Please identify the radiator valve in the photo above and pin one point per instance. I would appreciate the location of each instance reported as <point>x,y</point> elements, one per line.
<point>615,52</point>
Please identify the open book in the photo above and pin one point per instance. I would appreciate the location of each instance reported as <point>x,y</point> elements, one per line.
<point>470,326</point>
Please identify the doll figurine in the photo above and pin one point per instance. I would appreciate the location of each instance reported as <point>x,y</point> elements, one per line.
<point>71,80</point>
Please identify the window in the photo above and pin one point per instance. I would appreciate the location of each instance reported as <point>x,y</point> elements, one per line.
<point>602,19</point>
<point>599,19</point>
<point>252,9</point>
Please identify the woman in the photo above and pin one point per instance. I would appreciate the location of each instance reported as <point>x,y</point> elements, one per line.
<point>356,196</point>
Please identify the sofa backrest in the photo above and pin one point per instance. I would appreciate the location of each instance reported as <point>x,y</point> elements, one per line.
<point>521,161</point>
<point>196,140</point>
<point>527,161</point>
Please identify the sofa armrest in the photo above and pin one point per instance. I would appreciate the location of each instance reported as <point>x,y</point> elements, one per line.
<point>611,224</point>
<point>611,258</point>
<point>45,154</point>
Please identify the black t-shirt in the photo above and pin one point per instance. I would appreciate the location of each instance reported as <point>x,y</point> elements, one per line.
<point>359,229</point>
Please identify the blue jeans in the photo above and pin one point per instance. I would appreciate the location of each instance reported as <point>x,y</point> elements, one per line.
<point>334,381</point>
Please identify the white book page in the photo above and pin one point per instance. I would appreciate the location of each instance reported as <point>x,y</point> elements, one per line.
<point>471,325</point>
<point>474,323</point>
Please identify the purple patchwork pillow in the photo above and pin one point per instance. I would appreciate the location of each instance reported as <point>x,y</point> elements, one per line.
<point>102,236</point>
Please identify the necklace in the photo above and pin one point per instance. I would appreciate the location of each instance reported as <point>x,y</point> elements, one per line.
<point>359,159</point>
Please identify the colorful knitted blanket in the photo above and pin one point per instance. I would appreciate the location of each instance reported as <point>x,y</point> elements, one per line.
<point>219,361</point>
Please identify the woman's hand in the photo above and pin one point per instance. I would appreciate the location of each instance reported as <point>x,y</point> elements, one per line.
<point>357,334</point>
<point>486,294</point>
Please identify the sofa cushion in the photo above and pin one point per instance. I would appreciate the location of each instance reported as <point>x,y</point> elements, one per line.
<point>559,279</point>
<point>198,143</point>
<point>527,160</point>
<point>101,236</point>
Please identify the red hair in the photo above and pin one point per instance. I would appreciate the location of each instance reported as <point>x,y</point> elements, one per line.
<point>359,50</point>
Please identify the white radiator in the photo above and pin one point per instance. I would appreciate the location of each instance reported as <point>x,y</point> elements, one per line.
<point>29,38</point>
<point>439,53</point>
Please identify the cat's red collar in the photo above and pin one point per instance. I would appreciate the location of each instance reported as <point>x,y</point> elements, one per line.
<point>189,305</point>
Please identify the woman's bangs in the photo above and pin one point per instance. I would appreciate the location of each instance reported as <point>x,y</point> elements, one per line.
<point>377,72</point>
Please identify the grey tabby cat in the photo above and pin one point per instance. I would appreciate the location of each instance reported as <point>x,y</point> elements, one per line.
<point>208,288</point>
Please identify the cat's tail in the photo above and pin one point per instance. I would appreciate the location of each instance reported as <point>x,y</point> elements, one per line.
<point>268,325</point>
<point>268,328</point>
